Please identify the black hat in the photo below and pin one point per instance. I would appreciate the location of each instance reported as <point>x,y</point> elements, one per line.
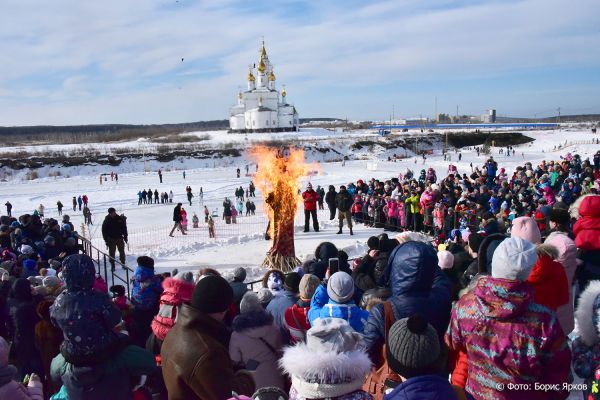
<point>145,261</point>
<point>475,240</point>
<point>413,347</point>
<point>212,294</point>
<point>292,282</point>
<point>118,290</point>
<point>110,210</point>
<point>559,216</point>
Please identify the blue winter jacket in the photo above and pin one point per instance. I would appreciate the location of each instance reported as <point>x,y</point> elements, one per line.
<point>146,288</point>
<point>321,306</point>
<point>418,286</point>
<point>430,387</point>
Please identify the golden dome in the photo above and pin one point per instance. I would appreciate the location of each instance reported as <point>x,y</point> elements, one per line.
<point>283,93</point>
<point>261,66</point>
<point>251,77</point>
<point>271,76</point>
<point>240,95</point>
<point>263,51</point>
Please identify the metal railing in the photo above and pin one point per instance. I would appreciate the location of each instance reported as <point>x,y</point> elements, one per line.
<point>104,264</point>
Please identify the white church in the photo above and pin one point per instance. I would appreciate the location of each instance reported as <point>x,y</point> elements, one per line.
<point>260,108</point>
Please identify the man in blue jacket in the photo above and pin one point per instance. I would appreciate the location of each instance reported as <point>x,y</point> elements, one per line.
<point>418,285</point>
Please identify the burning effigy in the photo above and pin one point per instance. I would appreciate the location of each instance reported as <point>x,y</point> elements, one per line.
<point>278,178</point>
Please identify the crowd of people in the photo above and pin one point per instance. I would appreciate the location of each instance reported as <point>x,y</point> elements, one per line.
<point>500,300</point>
<point>146,197</point>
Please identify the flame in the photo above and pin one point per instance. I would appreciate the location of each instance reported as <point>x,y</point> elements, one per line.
<point>279,180</point>
<point>279,176</point>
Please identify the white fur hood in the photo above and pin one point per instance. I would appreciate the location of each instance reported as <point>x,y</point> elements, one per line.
<point>584,313</point>
<point>325,374</point>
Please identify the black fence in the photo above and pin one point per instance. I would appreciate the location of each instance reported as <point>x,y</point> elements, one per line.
<point>118,276</point>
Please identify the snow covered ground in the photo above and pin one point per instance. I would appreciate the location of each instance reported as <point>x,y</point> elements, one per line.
<point>243,243</point>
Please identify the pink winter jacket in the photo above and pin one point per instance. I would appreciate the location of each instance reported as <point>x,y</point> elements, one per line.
<point>426,199</point>
<point>175,293</point>
<point>567,256</point>
<point>14,390</point>
<point>392,209</point>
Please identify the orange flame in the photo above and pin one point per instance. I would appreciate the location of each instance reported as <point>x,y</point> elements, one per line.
<point>278,178</point>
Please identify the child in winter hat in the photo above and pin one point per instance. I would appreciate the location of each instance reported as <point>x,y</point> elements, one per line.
<point>330,365</point>
<point>514,259</point>
<point>11,389</point>
<point>176,291</point>
<point>86,317</point>
<point>526,228</point>
<point>337,301</point>
<point>413,352</point>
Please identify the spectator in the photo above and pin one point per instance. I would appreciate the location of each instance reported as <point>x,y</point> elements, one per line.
<point>203,371</point>
<point>296,316</point>
<point>330,365</point>
<point>256,342</point>
<point>496,320</point>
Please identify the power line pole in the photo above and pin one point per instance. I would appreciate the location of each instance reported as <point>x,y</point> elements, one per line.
<point>558,118</point>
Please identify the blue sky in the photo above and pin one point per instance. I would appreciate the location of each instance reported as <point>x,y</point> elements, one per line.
<point>67,62</point>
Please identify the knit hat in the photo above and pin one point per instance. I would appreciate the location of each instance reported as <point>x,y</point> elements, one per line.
<point>292,282</point>
<point>340,287</point>
<point>250,303</point>
<point>212,294</point>
<point>264,296</point>
<point>413,347</point>
<point>309,186</point>
<point>308,285</point>
<point>332,335</point>
<point>239,274</point>
<point>117,290</point>
<point>513,259</point>
<point>146,262</point>
<point>186,276</point>
<point>559,216</point>
<point>475,240</point>
<point>29,264</point>
<point>445,259</point>
<point>51,281</point>
<point>26,249</point>
<point>527,229</point>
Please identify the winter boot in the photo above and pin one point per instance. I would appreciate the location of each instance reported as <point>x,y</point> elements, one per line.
<point>351,233</point>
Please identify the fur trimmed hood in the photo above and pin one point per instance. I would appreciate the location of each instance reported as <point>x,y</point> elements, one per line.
<point>584,315</point>
<point>251,320</point>
<point>547,250</point>
<point>325,374</point>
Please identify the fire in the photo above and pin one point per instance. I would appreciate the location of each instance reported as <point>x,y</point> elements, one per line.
<point>278,178</point>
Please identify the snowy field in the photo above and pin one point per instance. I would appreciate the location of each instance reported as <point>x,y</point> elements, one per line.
<point>243,244</point>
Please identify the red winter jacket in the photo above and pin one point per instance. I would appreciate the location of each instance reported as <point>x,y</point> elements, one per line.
<point>296,321</point>
<point>175,293</point>
<point>310,200</point>
<point>549,281</point>
<point>587,227</point>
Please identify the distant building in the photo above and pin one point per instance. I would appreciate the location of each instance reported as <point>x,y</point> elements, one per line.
<point>490,117</point>
<point>260,108</point>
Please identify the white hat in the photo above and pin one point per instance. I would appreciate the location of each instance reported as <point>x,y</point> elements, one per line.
<point>514,259</point>
<point>445,259</point>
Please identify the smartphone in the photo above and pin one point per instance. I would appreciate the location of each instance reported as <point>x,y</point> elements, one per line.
<point>334,265</point>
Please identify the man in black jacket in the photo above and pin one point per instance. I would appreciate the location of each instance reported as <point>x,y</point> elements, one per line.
<point>177,219</point>
<point>330,200</point>
<point>343,202</point>
<point>114,232</point>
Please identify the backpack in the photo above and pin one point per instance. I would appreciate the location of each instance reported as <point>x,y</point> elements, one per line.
<point>381,376</point>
